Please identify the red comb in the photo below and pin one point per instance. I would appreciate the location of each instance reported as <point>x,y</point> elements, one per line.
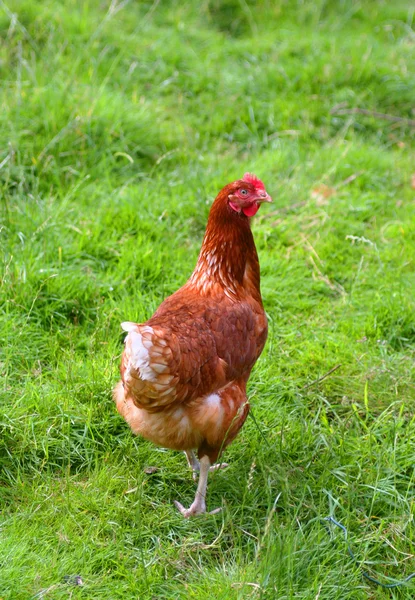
<point>253,179</point>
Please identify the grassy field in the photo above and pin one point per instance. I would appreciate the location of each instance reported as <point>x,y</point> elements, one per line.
<point>119,123</point>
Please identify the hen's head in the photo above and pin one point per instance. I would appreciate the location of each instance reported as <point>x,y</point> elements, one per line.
<point>246,195</point>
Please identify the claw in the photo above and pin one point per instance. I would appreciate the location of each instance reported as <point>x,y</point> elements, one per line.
<point>194,510</point>
<point>185,512</point>
<point>215,511</point>
<point>218,466</point>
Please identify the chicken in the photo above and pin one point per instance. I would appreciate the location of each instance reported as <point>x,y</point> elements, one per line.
<point>184,372</point>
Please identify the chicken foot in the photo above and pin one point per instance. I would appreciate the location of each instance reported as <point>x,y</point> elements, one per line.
<point>194,464</point>
<point>198,506</point>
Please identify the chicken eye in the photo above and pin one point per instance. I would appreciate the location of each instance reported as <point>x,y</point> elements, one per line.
<point>244,192</point>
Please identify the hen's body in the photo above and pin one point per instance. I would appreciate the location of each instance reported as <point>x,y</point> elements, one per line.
<point>184,372</point>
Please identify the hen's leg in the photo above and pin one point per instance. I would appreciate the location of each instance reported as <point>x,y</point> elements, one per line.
<point>192,462</point>
<point>195,465</point>
<point>199,503</point>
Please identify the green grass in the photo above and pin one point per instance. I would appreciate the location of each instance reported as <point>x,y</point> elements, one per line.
<point>118,125</point>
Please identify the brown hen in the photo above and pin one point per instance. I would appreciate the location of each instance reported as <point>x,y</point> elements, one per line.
<point>184,372</point>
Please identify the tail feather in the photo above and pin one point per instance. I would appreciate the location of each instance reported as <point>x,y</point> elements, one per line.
<point>129,326</point>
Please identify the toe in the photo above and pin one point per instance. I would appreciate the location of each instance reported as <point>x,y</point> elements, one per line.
<point>218,466</point>
<point>197,508</point>
<point>182,509</point>
<point>216,511</point>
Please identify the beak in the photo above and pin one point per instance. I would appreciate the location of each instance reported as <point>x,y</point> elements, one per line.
<point>263,197</point>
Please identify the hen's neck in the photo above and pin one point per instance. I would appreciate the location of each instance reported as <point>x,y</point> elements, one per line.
<point>228,257</point>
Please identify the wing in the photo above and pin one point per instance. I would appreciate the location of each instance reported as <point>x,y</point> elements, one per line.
<point>189,348</point>
<point>163,365</point>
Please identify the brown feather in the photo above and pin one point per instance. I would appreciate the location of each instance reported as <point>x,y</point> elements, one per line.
<point>184,379</point>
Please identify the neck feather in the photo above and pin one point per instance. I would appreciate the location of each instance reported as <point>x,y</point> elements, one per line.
<point>228,256</point>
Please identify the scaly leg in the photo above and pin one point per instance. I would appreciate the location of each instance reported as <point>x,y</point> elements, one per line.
<point>192,462</point>
<point>195,465</point>
<point>199,503</point>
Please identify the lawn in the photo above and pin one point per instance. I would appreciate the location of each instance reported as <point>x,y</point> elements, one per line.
<point>119,123</point>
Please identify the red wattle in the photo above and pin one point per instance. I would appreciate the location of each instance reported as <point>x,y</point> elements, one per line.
<point>252,210</point>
